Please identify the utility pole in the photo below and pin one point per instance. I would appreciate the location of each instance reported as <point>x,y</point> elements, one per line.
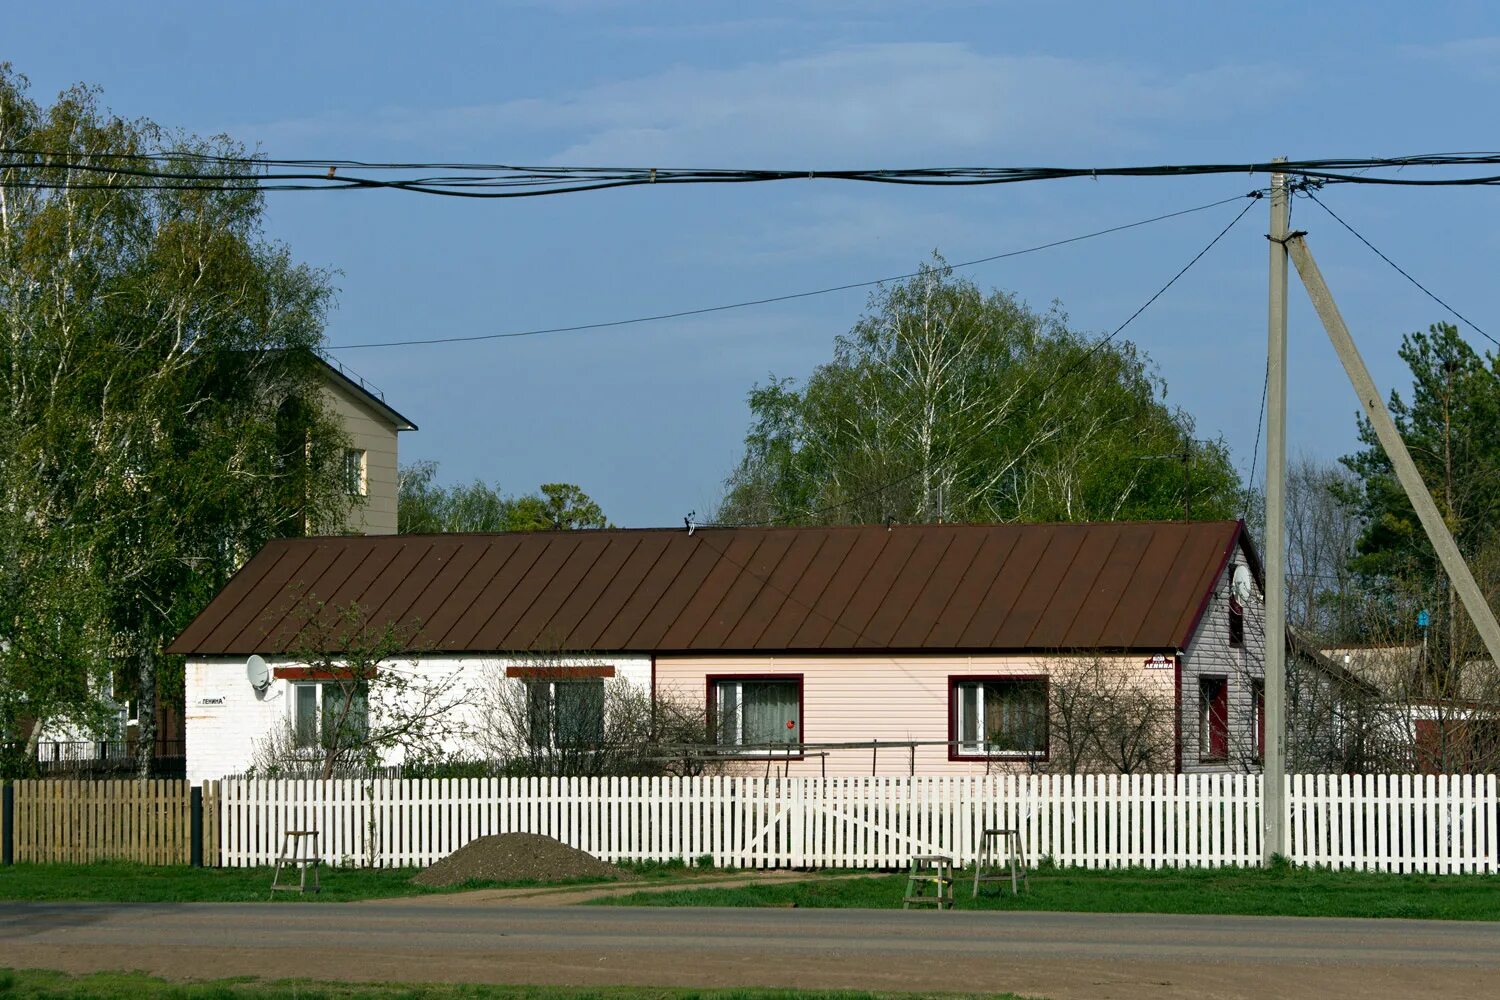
<point>1459,576</point>
<point>1273,797</point>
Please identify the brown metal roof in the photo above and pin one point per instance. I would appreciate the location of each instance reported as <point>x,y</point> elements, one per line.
<point>918,588</point>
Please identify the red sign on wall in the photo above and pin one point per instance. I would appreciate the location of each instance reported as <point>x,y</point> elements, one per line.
<point>1159,662</point>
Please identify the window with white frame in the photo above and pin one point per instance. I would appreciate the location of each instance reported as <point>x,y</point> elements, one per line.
<point>1000,716</point>
<point>756,712</point>
<point>565,714</point>
<point>328,711</point>
<point>356,472</point>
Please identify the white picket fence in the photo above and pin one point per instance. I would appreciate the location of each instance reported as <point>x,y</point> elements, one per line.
<point>1401,823</point>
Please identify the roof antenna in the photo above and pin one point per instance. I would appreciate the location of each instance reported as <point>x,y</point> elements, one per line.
<point>689,522</point>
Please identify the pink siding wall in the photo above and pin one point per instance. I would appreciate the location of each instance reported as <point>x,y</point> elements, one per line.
<point>886,698</point>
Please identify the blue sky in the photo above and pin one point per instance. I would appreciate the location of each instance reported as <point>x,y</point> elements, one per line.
<point>649,419</point>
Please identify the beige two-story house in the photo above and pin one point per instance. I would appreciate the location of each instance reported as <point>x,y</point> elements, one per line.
<point>370,460</point>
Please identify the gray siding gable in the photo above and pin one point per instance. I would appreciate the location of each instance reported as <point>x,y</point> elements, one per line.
<point>1210,654</point>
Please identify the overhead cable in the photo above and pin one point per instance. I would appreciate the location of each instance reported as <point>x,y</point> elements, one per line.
<point>1399,269</point>
<point>771,299</point>
<point>187,170</point>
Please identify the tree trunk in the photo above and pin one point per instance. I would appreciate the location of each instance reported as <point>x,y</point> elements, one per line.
<point>35,737</point>
<point>145,714</point>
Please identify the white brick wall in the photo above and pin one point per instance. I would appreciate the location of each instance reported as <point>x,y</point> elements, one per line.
<point>226,717</point>
<point>1210,654</point>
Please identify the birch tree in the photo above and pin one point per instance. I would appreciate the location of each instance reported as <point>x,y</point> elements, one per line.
<point>943,402</point>
<point>162,409</point>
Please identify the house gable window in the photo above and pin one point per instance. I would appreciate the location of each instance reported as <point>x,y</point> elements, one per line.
<point>998,717</point>
<point>1213,718</point>
<point>755,712</point>
<point>565,714</point>
<point>323,711</point>
<point>356,472</point>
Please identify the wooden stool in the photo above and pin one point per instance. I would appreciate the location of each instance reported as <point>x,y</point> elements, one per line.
<point>984,863</point>
<point>295,845</point>
<point>935,870</point>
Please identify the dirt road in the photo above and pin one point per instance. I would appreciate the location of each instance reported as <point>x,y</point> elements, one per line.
<point>1056,955</point>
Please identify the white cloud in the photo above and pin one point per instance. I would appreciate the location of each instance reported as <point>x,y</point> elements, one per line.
<point>907,103</point>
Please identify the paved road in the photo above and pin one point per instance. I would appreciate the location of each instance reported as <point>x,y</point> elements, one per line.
<point>1056,955</point>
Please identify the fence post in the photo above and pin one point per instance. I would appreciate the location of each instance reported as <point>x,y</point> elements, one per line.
<point>8,823</point>
<point>195,826</point>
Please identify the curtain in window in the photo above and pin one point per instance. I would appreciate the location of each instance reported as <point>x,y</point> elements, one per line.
<point>1004,715</point>
<point>539,714</point>
<point>355,723</point>
<point>305,725</point>
<point>580,713</point>
<point>1014,715</point>
<point>768,707</point>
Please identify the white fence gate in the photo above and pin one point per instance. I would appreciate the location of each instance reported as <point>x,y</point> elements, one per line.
<point>1400,823</point>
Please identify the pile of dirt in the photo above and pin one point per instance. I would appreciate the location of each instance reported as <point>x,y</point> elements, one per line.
<point>518,857</point>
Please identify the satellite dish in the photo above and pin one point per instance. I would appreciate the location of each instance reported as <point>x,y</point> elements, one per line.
<point>1243,586</point>
<point>257,673</point>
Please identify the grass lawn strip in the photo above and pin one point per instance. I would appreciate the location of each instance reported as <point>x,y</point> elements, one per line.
<point>1228,891</point>
<point>121,882</point>
<point>42,985</point>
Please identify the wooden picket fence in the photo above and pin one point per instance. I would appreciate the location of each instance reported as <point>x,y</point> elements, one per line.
<point>1398,823</point>
<point>84,821</point>
<point>1405,823</point>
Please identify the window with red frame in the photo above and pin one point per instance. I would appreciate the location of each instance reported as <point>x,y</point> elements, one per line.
<point>1213,718</point>
<point>755,712</point>
<point>1259,721</point>
<point>1005,716</point>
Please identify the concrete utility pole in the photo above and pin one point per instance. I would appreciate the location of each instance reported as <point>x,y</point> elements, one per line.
<point>1273,797</point>
<point>1390,439</point>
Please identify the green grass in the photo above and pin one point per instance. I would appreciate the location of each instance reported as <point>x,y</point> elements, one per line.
<point>1281,891</point>
<point>121,882</point>
<point>37,985</point>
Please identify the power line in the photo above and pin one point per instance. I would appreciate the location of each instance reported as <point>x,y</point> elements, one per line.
<point>679,314</point>
<point>188,170</point>
<point>1399,269</point>
<point>1260,423</point>
<point>1066,372</point>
